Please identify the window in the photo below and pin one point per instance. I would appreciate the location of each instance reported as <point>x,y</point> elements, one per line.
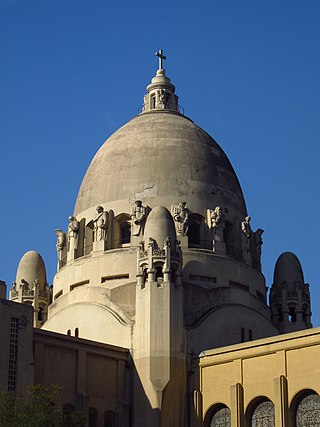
<point>93,417</point>
<point>125,233</point>
<point>263,415</point>
<point>69,332</point>
<point>194,233</point>
<point>40,315</point>
<point>76,332</point>
<point>110,418</point>
<point>13,353</point>
<point>292,315</point>
<point>243,335</point>
<point>153,101</point>
<point>308,411</point>
<point>250,334</point>
<point>221,417</point>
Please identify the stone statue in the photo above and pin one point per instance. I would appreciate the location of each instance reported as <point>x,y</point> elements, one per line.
<point>61,240</point>
<point>138,217</point>
<point>245,226</point>
<point>152,243</point>
<point>181,216</point>
<point>162,97</point>
<point>73,232</point>
<point>100,224</point>
<point>216,217</point>
<point>166,242</point>
<point>258,242</point>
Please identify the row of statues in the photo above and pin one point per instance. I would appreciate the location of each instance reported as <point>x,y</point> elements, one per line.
<point>182,218</point>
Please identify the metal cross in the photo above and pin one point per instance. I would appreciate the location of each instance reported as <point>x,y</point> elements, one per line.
<point>161,58</point>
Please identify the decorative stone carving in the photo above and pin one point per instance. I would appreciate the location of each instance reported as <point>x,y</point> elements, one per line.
<point>61,240</point>
<point>181,217</point>
<point>245,226</point>
<point>138,217</point>
<point>216,223</point>
<point>216,217</point>
<point>166,242</point>
<point>162,98</point>
<point>152,243</point>
<point>100,224</point>
<point>73,232</point>
<point>258,242</point>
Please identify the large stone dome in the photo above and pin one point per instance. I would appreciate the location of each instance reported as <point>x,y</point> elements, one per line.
<point>162,157</point>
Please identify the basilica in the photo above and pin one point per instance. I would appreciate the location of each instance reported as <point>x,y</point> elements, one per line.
<point>158,314</point>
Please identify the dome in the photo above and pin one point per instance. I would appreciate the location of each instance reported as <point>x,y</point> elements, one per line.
<point>161,157</point>
<point>159,226</point>
<point>288,270</point>
<point>31,267</point>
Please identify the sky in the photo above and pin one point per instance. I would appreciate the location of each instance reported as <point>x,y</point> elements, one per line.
<point>247,72</point>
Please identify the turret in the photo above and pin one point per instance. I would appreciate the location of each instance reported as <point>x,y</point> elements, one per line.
<point>289,295</point>
<point>31,286</point>
<point>160,92</point>
<point>159,344</point>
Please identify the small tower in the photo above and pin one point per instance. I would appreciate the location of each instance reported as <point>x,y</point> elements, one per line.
<point>159,338</point>
<point>160,92</point>
<point>31,286</point>
<point>289,295</point>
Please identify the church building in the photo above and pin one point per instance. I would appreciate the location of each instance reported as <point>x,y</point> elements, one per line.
<point>158,314</point>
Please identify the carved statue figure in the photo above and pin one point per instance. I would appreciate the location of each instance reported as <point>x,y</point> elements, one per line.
<point>216,217</point>
<point>73,232</point>
<point>181,216</point>
<point>100,224</point>
<point>61,240</point>
<point>35,284</point>
<point>245,226</point>
<point>258,242</point>
<point>152,243</point>
<point>138,217</point>
<point>162,96</point>
<point>167,242</point>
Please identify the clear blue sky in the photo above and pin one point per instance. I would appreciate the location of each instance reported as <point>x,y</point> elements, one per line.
<point>246,71</point>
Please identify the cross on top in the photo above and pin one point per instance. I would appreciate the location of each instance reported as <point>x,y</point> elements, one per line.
<point>161,58</point>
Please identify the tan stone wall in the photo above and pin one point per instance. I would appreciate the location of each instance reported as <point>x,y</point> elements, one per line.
<point>277,368</point>
<point>92,375</point>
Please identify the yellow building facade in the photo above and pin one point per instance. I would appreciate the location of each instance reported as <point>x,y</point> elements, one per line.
<point>269,382</point>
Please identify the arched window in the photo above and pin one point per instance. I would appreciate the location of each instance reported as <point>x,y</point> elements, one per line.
<point>93,417</point>
<point>110,419</point>
<point>159,275</point>
<point>40,314</point>
<point>218,416</point>
<point>194,229</point>
<point>229,238</point>
<point>76,332</point>
<point>263,415</point>
<point>125,233</point>
<point>292,315</point>
<point>69,332</point>
<point>280,315</point>
<point>308,411</point>
<point>153,101</point>
<point>194,233</point>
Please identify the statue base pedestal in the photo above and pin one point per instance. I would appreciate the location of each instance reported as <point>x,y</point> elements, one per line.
<point>71,255</point>
<point>219,247</point>
<point>98,246</point>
